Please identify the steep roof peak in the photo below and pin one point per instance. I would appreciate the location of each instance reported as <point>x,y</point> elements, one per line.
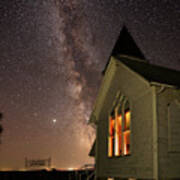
<point>126,45</point>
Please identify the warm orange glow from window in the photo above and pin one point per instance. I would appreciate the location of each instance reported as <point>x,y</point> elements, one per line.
<point>110,147</point>
<point>126,133</point>
<point>127,120</point>
<point>118,135</point>
<point>111,126</point>
<point>111,137</point>
<point>126,144</point>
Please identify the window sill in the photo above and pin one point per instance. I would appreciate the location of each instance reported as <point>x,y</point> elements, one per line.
<point>117,157</point>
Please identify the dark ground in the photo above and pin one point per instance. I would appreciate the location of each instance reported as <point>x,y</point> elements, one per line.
<point>46,175</point>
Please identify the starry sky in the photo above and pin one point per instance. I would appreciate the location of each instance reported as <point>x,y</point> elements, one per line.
<point>52,53</point>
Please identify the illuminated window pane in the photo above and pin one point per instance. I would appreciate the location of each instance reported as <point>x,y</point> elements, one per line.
<point>118,136</point>
<point>127,120</point>
<point>111,137</point>
<point>119,130</point>
<point>126,140</point>
<point>110,146</point>
<point>111,126</point>
<point>126,133</point>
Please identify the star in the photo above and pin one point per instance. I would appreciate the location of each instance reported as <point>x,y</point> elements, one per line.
<point>54,121</point>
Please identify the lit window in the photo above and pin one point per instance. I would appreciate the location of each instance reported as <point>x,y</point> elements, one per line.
<point>111,137</point>
<point>119,132</point>
<point>126,133</point>
<point>118,135</point>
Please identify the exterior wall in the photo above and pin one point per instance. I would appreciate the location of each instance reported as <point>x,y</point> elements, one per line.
<point>139,93</point>
<point>168,99</point>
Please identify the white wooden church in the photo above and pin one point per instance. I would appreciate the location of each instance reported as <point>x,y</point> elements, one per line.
<point>137,117</point>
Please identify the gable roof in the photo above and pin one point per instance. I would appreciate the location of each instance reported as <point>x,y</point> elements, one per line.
<point>152,73</point>
<point>125,45</point>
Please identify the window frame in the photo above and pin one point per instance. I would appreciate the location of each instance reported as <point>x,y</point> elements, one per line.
<point>120,105</point>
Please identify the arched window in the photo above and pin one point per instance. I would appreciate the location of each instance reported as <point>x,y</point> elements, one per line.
<point>119,129</point>
<point>126,130</point>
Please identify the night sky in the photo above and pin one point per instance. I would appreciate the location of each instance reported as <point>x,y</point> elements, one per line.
<point>52,53</point>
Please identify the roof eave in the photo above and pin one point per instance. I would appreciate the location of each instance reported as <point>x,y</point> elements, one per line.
<point>154,83</point>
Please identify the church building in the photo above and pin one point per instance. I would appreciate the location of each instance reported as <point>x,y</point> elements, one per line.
<point>137,117</point>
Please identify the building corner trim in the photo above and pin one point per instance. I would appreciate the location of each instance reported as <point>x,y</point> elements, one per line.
<point>155,135</point>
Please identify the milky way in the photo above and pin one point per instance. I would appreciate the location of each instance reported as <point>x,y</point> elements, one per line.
<point>52,53</point>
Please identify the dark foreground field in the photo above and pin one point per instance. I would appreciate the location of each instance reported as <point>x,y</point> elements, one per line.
<point>47,175</point>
